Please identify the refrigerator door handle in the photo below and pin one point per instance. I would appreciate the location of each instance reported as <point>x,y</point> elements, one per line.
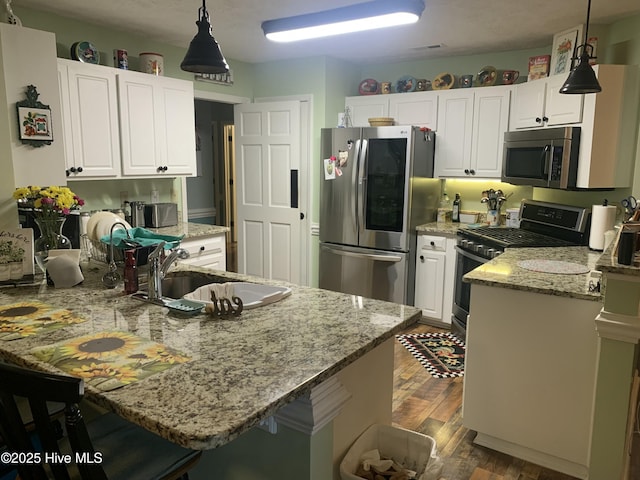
<point>362,185</point>
<point>356,157</point>
<point>367,256</point>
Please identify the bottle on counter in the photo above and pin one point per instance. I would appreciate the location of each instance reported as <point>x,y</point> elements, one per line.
<point>130,272</point>
<point>455,211</point>
<point>444,211</point>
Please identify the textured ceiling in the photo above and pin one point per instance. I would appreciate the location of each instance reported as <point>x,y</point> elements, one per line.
<point>461,26</point>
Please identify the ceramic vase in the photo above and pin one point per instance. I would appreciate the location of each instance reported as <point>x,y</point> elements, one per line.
<point>50,238</point>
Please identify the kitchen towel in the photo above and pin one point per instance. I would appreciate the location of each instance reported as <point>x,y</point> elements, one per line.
<point>602,219</point>
<point>141,236</point>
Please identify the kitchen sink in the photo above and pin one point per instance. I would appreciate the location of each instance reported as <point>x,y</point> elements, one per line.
<point>176,285</point>
<point>192,286</point>
<point>179,284</point>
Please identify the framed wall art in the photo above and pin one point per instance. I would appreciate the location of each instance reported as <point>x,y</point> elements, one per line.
<point>34,120</point>
<point>564,49</point>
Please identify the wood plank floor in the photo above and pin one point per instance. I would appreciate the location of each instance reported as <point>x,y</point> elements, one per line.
<point>433,406</point>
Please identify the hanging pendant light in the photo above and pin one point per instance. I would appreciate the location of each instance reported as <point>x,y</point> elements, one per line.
<point>204,54</point>
<point>582,78</point>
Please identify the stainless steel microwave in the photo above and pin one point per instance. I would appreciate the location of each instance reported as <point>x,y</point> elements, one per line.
<point>542,158</point>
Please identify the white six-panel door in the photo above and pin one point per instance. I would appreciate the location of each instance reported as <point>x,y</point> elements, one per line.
<point>267,152</point>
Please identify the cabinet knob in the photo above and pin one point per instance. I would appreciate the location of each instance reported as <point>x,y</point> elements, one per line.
<point>472,171</point>
<point>67,172</point>
<point>538,120</point>
<point>433,244</point>
<point>163,168</point>
<point>72,169</point>
<point>466,171</point>
<point>422,258</point>
<point>202,248</point>
<point>545,119</point>
<point>79,169</point>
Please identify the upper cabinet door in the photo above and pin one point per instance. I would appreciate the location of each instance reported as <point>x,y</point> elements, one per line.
<point>416,108</point>
<point>453,137</point>
<point>490,122</point>
<point>140,126</point>
<point>179,127</point>
<point>561,108</point>
<point>528,105</point>
<point>361,109</point>
<point>90,116</point>
<point>157,125</point>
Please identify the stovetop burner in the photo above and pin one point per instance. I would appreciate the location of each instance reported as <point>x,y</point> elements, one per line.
<point>514,237</point>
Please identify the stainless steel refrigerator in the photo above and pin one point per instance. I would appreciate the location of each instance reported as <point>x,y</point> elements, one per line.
<point>376,186</point>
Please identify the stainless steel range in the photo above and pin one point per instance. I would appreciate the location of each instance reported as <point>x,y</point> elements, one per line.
<point>542,224</point>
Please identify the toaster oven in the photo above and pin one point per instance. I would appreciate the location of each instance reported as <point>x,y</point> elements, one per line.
<point>157,215</point>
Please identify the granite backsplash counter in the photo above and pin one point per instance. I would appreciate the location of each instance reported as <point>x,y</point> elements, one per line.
<point>444,229</point>
<point>506,271</point>
<point>242,369</point>
<point>190,229</point>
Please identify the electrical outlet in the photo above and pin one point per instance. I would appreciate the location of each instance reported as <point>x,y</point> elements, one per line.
<point>155,196</point>
<point>124,196</point>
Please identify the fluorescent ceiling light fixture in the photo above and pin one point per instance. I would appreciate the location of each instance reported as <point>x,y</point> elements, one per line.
<point>354,18</point>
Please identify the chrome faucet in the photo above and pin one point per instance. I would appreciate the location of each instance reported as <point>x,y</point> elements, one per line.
<point>158,269</point>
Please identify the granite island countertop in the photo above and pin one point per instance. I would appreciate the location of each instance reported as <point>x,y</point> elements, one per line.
<point>242,370</point>
<point>504,271</point>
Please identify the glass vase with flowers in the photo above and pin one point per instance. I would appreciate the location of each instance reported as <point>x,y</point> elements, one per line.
<point>50,206</point>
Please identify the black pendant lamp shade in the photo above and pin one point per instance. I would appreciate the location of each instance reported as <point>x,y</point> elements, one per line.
<point>582,79</point>
<point>204,54</point>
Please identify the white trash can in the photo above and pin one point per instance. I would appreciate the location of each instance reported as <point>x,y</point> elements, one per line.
<point>412,450</point>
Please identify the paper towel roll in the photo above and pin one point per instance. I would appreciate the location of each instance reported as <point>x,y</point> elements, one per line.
<point>602,219</point>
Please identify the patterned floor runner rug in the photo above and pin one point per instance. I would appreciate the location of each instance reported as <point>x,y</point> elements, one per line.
<point>442,354</point>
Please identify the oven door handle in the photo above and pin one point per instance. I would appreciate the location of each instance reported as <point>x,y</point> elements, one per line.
<point>471,255</point>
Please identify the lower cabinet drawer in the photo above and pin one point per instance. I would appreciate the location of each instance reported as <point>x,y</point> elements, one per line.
<point>207,252</point>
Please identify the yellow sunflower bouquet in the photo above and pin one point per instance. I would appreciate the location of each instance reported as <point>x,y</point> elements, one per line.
<point>50,205</point>
<point>48,200</point>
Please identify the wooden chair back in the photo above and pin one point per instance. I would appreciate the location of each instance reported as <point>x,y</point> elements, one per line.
<point>39,388</point>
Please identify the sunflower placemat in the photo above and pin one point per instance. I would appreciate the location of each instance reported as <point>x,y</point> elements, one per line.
<point>109,360</point>
<point>23,319</point>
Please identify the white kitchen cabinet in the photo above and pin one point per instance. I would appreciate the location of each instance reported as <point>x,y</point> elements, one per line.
<point>470,133</point>
<point>361,109</point>
<point>88,96</point>
<point>539,104</point>
<point>157,125</point>
<point>435,270</point>
<point>521,346</point>
<point>414,108</point>
<point>207,251</point>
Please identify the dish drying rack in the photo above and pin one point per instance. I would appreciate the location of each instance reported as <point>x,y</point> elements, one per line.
<point>102,252</point>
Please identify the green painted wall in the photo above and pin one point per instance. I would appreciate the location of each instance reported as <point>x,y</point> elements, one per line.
<point>460,65</point>
<point>68,31</point>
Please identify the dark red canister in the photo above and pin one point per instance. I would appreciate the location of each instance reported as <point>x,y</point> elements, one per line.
<point>121,59</point>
